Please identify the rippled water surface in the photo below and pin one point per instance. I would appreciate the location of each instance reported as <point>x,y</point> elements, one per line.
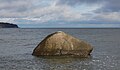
<point>16,46</point>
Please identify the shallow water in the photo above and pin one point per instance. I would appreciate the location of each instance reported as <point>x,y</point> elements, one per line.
<point>16,46</point>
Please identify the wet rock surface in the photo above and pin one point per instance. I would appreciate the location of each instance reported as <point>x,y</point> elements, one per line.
<point>62,44</point>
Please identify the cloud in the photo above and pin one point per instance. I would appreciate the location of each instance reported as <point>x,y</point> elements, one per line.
<point>110,17</point>
<point>78,2</point>
<point>11,20</point>
<point>110,6</point>
<point>60,11</point>
<point>38,10</point>
<point>14,8</point>
<point>107,5</point>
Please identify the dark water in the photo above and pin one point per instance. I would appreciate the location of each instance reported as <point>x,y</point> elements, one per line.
<point>16,46</point>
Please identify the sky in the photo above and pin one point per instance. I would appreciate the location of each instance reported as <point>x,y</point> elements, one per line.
<point>61,13</point>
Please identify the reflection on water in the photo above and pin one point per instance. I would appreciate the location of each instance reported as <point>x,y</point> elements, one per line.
<point>67,63</point>
<point>63,59</point>
<point>29,62</point>
<point>16,47</point>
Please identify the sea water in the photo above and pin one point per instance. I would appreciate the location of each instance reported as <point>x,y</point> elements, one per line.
<point>17,45</point>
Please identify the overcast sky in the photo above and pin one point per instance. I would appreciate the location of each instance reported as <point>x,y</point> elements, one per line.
<point>61,13</point>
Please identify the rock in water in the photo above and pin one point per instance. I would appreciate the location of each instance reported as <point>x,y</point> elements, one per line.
<point>60,43</point>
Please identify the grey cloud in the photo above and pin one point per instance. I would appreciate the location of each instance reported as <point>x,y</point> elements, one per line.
<point>111,6</point>
<point>63,10</point>
<point>26,8</point>
<point>14,8</point>
<point>78,2</point>
<point>108,5</point>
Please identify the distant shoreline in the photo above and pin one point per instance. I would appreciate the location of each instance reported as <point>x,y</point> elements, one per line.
<point>8,25</point>
<point>64,28</point>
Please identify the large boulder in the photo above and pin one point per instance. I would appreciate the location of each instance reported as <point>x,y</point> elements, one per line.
<point>60,43</point>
